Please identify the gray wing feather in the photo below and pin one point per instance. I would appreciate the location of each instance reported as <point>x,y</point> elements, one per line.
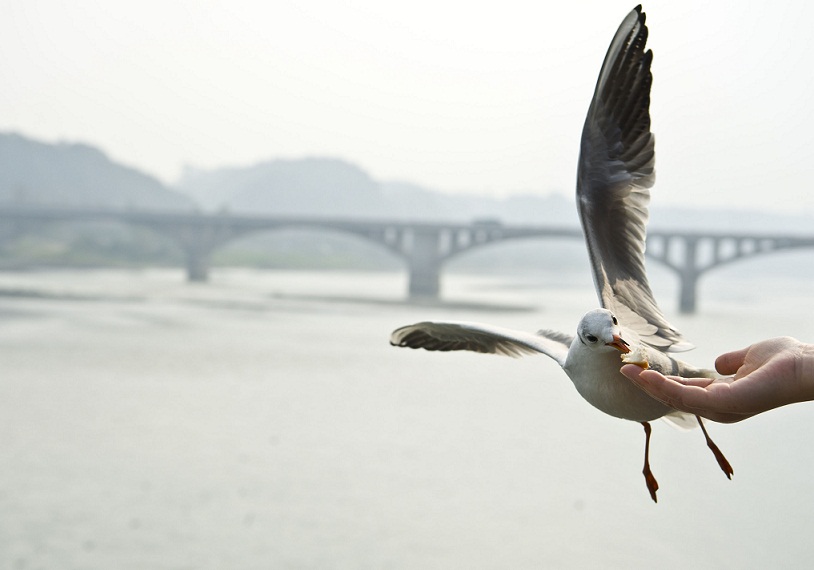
<point>616,171</point>
<point>477,337</point>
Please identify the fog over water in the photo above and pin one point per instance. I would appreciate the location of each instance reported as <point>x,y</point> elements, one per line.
<point>263,421</point>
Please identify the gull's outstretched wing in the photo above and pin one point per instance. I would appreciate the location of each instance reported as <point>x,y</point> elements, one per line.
<point>616,170</point>
<point>477,337</point>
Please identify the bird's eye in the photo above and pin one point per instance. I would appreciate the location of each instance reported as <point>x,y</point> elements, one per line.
<point>591,338</point>
<point>614,320</point>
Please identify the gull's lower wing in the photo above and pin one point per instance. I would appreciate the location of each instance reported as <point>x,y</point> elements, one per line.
<point>616,170</point>
<point>477,337</point>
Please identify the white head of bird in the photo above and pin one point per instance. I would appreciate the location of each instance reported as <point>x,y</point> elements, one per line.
<point>599,330</point>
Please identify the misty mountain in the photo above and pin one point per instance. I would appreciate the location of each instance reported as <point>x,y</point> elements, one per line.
<point>72,174</point>
<point>308,187</point>
<point>333,187</point>
<point>409,201</point>
<point>63,174</point>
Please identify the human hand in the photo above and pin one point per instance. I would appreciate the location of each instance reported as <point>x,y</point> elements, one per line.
<point>763,376</point>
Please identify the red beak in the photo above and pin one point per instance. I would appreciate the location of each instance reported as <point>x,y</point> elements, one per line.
<point>619,344</point>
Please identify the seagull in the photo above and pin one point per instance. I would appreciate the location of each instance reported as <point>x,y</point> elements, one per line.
<point>614,176</point>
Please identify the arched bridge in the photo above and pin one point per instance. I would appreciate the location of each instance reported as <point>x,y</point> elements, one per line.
<point>424,246</point>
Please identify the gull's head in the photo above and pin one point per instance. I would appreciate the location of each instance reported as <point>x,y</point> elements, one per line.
<point>599,330</point>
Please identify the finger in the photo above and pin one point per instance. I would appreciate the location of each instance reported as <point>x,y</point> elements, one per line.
<point>633,372</point>
<point>650,381</point>
<point>700,382</point>
<point>684,394</point>
<point>687,398</point>
<point>729,362</point>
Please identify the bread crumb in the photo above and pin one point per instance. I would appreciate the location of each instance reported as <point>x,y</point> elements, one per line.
<point>637,356</point>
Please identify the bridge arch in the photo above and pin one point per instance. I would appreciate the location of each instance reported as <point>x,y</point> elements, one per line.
<point>692,255</point>
<point>425,246</point>
<point>307,246</point>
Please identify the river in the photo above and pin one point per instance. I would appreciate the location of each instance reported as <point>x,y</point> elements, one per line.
<point>262,420</point>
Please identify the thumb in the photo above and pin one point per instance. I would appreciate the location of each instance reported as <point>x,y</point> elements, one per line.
<point>729,362</point>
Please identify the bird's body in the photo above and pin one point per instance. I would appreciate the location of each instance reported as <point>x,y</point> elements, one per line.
<point>615,173</point>
<point>598,380</point>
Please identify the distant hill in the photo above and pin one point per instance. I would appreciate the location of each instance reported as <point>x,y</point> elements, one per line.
<point>333,187</point>
<point>310,186</point>
<point>72,174</point>
<point>66,174</point>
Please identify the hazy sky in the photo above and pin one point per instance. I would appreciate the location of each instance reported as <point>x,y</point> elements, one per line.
<point>458,96</point>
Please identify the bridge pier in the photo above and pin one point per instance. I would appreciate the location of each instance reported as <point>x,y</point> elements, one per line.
<point>679,253</point>
<point>688,277</point>
<point>425,265</point>
<point>198,240</point>
<point>687,293</point>
<point>198,261</point>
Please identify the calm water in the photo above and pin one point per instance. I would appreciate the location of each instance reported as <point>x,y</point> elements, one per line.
<point>263,421</point>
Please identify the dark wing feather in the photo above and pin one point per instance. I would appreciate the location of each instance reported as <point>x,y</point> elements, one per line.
<point>477,337</point>
<point>616,170</point>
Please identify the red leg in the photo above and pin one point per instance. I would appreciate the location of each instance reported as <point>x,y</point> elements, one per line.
<point>722,462</point>
<point>652,484</point>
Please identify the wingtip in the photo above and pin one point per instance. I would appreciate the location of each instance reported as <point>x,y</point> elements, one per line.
<point>397,336</point>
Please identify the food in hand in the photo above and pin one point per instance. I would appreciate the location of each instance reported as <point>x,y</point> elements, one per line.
<point>637,356</point>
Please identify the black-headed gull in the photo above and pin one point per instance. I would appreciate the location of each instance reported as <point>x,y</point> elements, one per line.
<point>615,172</point>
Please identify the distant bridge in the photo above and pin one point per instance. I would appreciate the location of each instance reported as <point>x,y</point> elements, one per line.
<point>424,246</point>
